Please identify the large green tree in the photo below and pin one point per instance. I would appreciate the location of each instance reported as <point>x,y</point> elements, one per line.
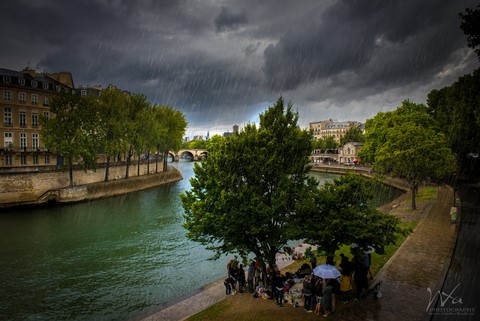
<point>73,131</point>
<point>245,196</point>
<point>342,212</point>
<point>456,109</point>
<point>136,107</point>
<point>113,111</point>
<point>172,125</point>
<point>404,143</point>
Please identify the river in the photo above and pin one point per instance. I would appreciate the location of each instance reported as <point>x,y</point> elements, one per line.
<point>110,259</point>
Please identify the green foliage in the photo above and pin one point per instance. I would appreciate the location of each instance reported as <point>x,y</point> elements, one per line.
<point>244,197</point>
<point>353,134</point>
<point>195,144</point>
<point>170,127</point>
<point>343,213</point>
<point>73,131</point>
<point>326,144</point>
<point>404,143</point>
<point>471,28</point>
<point>456,109</point>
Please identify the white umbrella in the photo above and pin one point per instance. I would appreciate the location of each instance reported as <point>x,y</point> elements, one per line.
<point>326,271</point>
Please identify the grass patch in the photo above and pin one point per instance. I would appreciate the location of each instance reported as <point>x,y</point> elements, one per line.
<point>427,193</point>
<point>212,312</point>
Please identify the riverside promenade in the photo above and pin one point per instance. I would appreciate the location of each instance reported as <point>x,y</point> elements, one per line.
<point>421,263</point>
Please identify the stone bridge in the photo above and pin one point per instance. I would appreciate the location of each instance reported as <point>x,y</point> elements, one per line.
<point>189,154</point>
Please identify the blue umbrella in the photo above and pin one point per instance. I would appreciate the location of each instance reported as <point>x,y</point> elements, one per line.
<point>326,271</point>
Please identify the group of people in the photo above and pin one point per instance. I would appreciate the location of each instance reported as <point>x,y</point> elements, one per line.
<point>318,293</point>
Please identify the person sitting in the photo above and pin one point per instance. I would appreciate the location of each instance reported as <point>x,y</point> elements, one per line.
<point>229,284</point>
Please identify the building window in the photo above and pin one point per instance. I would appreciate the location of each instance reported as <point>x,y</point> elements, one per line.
<point>45,86</point>
<point>34,119</point>
<point>7,79</point>
<point>8,141</point>
<point>57,88</point>
<point>83,92</point>
<point>22,97</point>
<point>7,95</point>
<point>35,144</point>
<point>23,159</point>
<point>21,81</point>
<point>45,101</point>
<point>7,116</point>
<point>47,158</point>
<point>8,160</point>
<point>23,119</point>
<point>34,99</point>
<point>35,159</point>
<point>34,84</point>
<point>23,141</point>
<point>46,114</point>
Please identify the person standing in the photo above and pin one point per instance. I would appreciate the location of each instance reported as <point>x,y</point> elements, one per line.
<point>307,293</point>
<point>346,278</point>
<point>241,278</point>
<point>313,260</point>
<point>250,275</point>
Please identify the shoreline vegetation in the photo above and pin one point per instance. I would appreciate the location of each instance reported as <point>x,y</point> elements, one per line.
<point>245,307</point>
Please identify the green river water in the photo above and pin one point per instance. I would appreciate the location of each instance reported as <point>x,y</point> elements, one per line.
<point>111,259</point>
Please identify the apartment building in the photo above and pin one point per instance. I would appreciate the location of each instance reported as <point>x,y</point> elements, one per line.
<point>25,96</point>
<point>335,129</point>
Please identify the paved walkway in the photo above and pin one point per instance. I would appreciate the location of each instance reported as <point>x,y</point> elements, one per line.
<point>419,264</point>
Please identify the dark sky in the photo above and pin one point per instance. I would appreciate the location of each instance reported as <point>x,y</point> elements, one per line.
<point>223,62</point>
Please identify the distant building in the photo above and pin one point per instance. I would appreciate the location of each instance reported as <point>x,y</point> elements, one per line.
<point>25,96</point>
<point>331,128</point>
<point>235,131</point>
<point>349,152</point>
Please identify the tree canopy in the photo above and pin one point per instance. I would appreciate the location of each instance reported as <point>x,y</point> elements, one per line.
<point>456,109</point>
<point>244,196</point>
<point>353,134</point>
<point>404,143</point>
<point>73,131</point>
<point>116,124</point>
<point>342,212</point>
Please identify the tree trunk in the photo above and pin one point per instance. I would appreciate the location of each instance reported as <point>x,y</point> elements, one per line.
<point>148,163</point>
<point>165,159</point>
<point>107,169</point>
<point>138,164</point>
<point>129,159</point>
<point>156,162</point>
<point>70,172</point>
<point>414,189</point>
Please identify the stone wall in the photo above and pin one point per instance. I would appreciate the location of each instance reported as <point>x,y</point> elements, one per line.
<point>31,188</point>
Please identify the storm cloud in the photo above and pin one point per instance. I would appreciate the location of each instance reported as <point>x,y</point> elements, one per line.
<point>223,62</point>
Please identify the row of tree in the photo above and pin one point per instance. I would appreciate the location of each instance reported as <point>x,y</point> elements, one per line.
<point>84,128</point>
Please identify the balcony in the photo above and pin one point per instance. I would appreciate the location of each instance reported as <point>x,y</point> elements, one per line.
<point>7,124</point>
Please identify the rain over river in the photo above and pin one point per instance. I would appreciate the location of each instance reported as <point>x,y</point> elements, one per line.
<point>110,259</point>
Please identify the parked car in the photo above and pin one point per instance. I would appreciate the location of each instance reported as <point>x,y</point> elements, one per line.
<point>348,163</point>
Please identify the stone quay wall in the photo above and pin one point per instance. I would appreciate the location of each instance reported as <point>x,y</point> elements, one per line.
<point>37,188</point>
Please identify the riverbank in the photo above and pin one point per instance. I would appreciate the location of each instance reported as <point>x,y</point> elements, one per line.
<point>89,191</point>
<point>420,263</point>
